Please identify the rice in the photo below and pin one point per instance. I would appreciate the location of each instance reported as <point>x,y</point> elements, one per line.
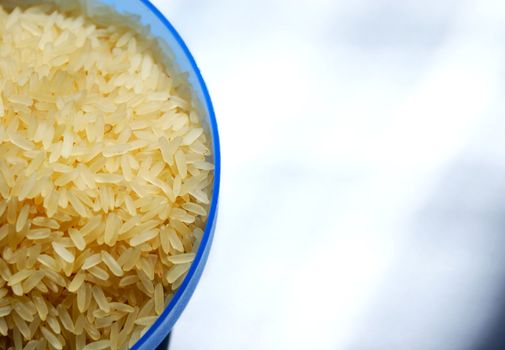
<point>41,307</point>
<point>5,310</point>
<point>99,345</point>
<point>99,273</point>
<point>182,258</point>
<point>32,281</point>
<point>146,321</point>
<point>176,271</point>
<point>65,319</point>
<point>63,252</point>
<point>100,298</point>
<point>105,180</point>
<point>51,338</point>
<point>112,264</point>
<point>77,238</point>
<point>159,299</point>
<point>76,282</point>
<point>21,325</point>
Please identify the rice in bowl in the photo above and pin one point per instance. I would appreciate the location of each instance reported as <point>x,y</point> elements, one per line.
<point>105,181</point>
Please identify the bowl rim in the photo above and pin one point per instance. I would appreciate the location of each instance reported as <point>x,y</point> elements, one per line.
<point>207,235</point>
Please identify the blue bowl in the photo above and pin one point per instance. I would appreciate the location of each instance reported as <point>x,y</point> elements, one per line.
<point>161,29</point>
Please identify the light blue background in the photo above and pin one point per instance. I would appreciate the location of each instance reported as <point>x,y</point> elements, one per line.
<point>363,173</point>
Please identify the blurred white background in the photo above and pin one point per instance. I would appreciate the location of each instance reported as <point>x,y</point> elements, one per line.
<point>363,187</point>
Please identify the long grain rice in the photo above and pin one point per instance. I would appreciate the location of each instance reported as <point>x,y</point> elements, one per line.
<point>21,325</point>
<point>5,310</point>
<point>4,329</point>
<point>159,302</point>
<point>19,277</point>
<point>92,261</point>
<point>51,338</point>
<point>31,345</point>
<point>99,345</point>
<point>53,323</point>
<point>181,258</point>
<point>112,264</point>
<point>63,252</point>
<point>76,282</point>
<point>100,298</point>
<point>32,281</point>
<point>65,318</point>
<point>99,273</point>
<point>105,180</point>
<point>41,307</point>
<point>77,238</point>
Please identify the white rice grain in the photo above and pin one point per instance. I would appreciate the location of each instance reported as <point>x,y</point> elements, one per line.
<point>4,328</point>
<point>181,258</point>
<point>175,272</point>
<point>65,318</point>
<point>63,252</point>
<point>41,307</point>
<point>98,345</point>
<point>19,277</point>
<point>100,298</point>
<point>112,264</point>
<point>51,338</point>
<point>159,300</point>
<point>22,218</point>
<point>143,237</point>
<point>91,261</point>
<point>5,310</point>
<point>77,238</point>
<point>21,325</point>
<point>76,282</point>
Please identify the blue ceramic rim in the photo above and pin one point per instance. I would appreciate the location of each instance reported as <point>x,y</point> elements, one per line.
<point>217,176</point>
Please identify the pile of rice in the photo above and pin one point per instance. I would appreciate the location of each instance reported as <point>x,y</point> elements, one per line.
<point>105,181</point>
